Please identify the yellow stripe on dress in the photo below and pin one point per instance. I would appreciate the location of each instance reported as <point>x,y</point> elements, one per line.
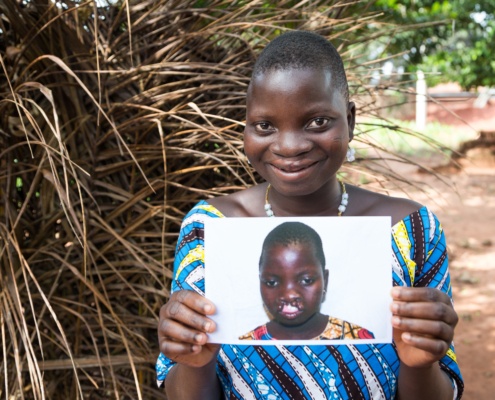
<point>451,355</point>
<point>210,209</point>
<point>401,238</point>
<point>196,254</point>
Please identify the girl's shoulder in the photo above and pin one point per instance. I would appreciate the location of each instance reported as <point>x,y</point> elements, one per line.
<point>244,203</point>
<point>364,202</point>
<point>250,203</point>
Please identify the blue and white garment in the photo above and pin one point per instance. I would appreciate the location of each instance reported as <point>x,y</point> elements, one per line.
<point>364,371</point>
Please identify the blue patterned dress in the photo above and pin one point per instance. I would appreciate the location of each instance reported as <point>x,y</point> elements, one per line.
<point>364,371</point>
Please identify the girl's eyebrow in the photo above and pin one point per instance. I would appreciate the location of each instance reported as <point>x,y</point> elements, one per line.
<point>320,109</point>
<point>308,268</point>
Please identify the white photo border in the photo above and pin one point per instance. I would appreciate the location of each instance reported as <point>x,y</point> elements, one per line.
<point>358,257</point>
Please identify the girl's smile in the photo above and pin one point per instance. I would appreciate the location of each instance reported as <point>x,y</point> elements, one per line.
<point>292,171</point>
<point>298,126</point>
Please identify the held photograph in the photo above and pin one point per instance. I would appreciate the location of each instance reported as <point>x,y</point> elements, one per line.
<point>299,280</point>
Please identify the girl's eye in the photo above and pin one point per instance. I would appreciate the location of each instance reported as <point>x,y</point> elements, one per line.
<point>263,127</point>
<point>319,122</point>
<point>270,282</point>
<point>307,281</point>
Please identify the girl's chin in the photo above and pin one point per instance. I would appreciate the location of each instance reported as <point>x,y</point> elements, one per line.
<point>299,189</point>
<point>296,322</point>
<point>291,322</point>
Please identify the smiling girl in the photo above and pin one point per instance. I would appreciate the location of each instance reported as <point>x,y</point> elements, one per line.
<point>299,124</point>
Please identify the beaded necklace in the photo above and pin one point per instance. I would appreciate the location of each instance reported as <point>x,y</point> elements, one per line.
<point>342,207</point>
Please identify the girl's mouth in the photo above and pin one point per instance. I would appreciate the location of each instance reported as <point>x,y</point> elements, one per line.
<point>289,311</point>
<point>293,172</point>
<point>293,168</point>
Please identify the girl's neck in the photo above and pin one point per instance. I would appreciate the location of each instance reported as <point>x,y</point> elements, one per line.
<point>324,202</point>
<point>311,329</point>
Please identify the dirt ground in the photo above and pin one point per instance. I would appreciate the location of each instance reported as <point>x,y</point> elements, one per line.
<point>470,227</point>
<point>469,222</point>
<point>468,218</point>
<point>466,209</point>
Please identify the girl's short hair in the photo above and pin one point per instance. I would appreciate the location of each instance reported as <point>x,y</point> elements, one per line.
<point>291,233</point>
<point>303,49</point>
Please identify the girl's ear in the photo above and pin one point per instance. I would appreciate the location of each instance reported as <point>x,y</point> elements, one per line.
<point>325,284</point>
<point>351,118</point>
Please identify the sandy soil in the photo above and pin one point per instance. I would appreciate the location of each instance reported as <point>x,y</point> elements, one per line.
<point>466,208</point>
<point>468,218</point>
<point>470,227</point>
<point>469,222</point>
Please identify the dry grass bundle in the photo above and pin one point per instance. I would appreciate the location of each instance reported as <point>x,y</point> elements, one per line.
<point>115,119</point>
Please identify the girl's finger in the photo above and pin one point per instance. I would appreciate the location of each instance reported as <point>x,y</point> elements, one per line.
<point>426,311</point>
<point>172,330</point>
<point>175,350</point>
<point>178,311</point>
<point>433,329</point>
<point>419,294</point>
<point>430,345</point>
<point>194,301</point>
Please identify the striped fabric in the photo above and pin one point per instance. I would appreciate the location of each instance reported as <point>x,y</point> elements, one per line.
<point>363,371</point>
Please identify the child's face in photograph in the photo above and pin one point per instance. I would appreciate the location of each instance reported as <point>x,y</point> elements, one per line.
<point>298,126</point>
<point>292,283</point>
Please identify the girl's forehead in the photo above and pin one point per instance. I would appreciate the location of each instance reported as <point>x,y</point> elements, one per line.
<point>291,77</point>
<point>312,84</point>
<point>289,253</point>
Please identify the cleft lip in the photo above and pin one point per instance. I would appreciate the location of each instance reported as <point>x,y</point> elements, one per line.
<point>290,307</point>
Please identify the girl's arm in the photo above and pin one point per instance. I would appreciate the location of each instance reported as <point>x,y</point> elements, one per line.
<point>423,321</point>
<point>182,335</point>
<point>184,382</point>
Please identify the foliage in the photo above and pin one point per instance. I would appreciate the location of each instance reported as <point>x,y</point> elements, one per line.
<point>115,119</point>
<point>452,40</point>
<point>414,144</point>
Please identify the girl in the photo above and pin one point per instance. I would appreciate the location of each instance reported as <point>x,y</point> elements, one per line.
<point>299,122</point>
<point>293,284</point>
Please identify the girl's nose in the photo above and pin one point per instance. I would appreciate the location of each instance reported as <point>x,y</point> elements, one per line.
<point>290,144</point>
<point>290,294</point>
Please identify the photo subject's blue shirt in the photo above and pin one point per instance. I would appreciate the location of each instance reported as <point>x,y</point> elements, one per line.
<point>365,371</point>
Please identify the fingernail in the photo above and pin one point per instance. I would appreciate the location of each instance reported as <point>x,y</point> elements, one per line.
<point>395,291</point>
<point>394,307</point>
<point>395,321</point>
<point>207,308</point>
<point>208,326</point>
<point>198,338</point>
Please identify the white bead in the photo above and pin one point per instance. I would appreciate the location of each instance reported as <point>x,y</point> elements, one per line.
<point>268,206</point>
<point>342,208</point>
<point>344,202</point>
<point>345,196</point>
<point>269,213</point>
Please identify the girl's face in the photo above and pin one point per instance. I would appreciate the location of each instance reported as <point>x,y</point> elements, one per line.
<point>298,126</point>
<point>292,282</point>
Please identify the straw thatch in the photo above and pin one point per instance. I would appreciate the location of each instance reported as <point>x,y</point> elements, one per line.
<point>115,119</point>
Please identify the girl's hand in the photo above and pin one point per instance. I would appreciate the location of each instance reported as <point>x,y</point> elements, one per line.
<point>183,327</point>
<point>423,321</point>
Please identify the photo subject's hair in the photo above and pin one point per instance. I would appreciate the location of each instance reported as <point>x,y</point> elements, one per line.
<point>302,49</point>
<point>293,233</point>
